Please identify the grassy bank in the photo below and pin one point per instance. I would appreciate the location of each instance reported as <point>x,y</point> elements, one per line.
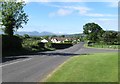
<point>101,67</point>
<point>103,46</point>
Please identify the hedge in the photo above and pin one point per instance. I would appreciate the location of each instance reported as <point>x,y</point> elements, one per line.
<point>11,43</point>
<point>61,45</point>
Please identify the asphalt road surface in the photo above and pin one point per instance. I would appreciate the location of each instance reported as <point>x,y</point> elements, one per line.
<point>33,68</point>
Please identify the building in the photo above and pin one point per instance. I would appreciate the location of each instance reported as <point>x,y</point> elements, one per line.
<point>62,39</point>
<point>44,41</point>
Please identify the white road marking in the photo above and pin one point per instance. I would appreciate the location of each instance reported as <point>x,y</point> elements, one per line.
<point>15,62</point>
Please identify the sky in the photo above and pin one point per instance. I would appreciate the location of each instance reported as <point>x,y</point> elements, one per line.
<point>69,17</point>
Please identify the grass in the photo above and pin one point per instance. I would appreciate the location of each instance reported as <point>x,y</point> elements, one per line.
<point>100,67</point>
<point>104,46</point>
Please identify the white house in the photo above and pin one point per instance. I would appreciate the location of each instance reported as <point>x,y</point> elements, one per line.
<point>55,40</point>
<point>61,39</point>
<point>44,41</point>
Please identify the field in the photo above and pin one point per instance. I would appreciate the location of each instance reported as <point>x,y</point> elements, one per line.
<point>100,67</point>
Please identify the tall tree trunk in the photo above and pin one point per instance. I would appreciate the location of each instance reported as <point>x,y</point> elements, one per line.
<point>9,31</point>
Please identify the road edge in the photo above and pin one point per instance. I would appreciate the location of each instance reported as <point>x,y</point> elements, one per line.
<point>51,73</point>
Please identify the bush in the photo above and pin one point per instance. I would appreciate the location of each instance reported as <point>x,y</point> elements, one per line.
<point>48,45</point>
<point>61,45</point>
<point>41,45</point>
<point>32,44</point>
<point>11,43</point>
<point>90,43</point>
<point>26,36</point>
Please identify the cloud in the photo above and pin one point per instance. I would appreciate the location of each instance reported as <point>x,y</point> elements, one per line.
<point>60,12</point>
<point>94,15</point>
<point>27,1</point>
<point>99,15</point>
<point>84,11</point>
<point>113,4</point>
<point>106,23</point>
<point>70,0</point>
<point>103,19</point>
<point>66,10</point>
<point>63,12</point>
<point>53,1</point>
<point>81,10</point>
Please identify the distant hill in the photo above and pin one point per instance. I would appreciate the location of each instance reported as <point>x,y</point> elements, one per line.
<point>45,33</point>
<point>35,33</point>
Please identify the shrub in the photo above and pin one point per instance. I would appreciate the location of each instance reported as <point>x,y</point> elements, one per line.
<point>41,45</point>
<point>48,45</point>
<point>90,43</point>
<point>11,43</point>
<point>26,36</point>
<point>32,44</point>
<point>61,45</point>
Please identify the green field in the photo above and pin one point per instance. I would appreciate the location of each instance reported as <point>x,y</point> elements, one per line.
<point>100,67</point>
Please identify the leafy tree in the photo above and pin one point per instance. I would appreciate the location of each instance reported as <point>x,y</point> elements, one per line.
<point>13,16</point>
<point>93,31</point>
<point>46,37</point>
<point>118,38</point>
<point>53,36</point>
<point>110,37</point>
<point>26,36</point>
<point>36,37</point>
<point>63,36</point>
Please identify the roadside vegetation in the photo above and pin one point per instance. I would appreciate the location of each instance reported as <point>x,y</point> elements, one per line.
<point>13,16</point>
<point>20,45</point>
<point>99,67</point>
<point>105,46</point>
<point>96,37</point>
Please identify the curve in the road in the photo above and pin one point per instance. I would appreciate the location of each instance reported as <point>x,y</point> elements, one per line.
<point>41,64</point>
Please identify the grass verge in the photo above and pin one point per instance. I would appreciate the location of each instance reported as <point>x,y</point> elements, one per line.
<point>100,67</point>
<point>103,46</point>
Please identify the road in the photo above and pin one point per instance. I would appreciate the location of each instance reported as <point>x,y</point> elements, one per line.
<point>33,68</point>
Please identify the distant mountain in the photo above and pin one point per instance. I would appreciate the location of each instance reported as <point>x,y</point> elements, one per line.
<point>29,33</point>
<point>46,33</point>
<point>35,33</point>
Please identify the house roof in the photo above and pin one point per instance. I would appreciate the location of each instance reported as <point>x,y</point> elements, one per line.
<point>44,41</point>
<point>63,38</point>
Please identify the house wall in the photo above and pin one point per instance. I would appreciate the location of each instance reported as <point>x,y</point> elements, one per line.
<point>55,41</point>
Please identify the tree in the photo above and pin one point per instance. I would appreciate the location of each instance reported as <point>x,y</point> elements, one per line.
<point>13,16</point>
<point>110,37</point>
<point>26,36</point>
<point>63,36</point>
<point>46,37</point>
<point>118,38</point>
<point>93,31</point>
